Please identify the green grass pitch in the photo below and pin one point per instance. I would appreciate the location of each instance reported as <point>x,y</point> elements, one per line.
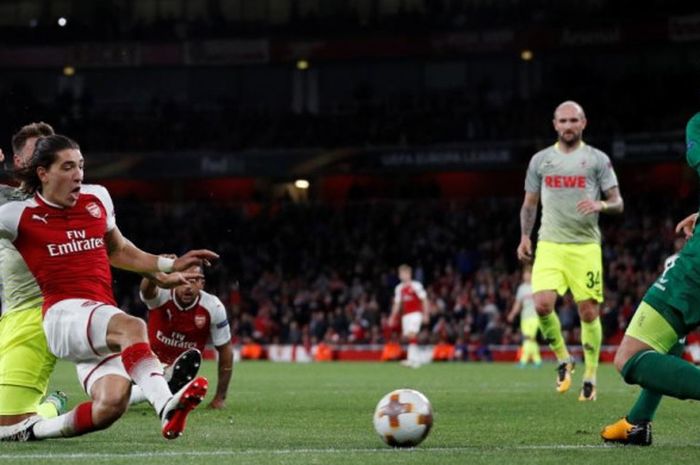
<point>322,413</point>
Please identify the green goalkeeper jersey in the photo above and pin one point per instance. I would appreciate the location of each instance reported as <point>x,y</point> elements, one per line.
<point>676,293</point>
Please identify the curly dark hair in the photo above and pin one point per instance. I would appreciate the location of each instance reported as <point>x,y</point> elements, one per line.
<point>44,155</point>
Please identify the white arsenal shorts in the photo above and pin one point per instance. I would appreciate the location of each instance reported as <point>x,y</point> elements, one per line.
<point>76,330</point>
<point>411,322</point>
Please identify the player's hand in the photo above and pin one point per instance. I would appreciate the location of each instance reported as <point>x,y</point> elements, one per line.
<point>525,249</point>
<point>172,280</point>
<point>687,225</point>
<point>194,257</point>
<point>426,319</point>
<point>217,403</point>
<point>2,156</point>
<point>588,206</point>
<point>393,319</point>
<point>510,318</point>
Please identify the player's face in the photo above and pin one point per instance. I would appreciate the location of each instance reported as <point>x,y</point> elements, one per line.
<point>62,180</point>
<point>569,123</point>
<point>22,158</point>
<point>404,275</point>
<point>188,293</point>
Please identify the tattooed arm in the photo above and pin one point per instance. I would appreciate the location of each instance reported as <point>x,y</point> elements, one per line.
<point>528,216</point>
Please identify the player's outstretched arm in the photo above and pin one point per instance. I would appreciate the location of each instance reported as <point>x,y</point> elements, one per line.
<point>224,375</point>
<point>171,280</point>
<point>125,255</point>
<point>152,281</point>
<point>194,257</point>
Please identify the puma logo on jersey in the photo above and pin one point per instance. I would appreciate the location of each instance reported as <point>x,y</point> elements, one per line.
<point>41,218</point>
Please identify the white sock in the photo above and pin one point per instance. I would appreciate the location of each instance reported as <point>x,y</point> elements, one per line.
<point>148,375</point>
<point>137,395</point>
<point>74,423</point>
<point>147,372</point>
<point>412,355</point>
<point>56,427</point>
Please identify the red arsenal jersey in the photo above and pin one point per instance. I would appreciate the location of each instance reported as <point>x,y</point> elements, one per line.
<point>64,248</point>
<point>410,296</point>
<point>172,329</point>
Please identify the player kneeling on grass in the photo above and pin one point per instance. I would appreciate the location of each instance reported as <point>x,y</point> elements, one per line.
<point>68,237</point>
<point>180,323</point>
<point>650,353</point>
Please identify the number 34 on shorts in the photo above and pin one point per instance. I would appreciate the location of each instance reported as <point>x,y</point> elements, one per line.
<point>574,267</point>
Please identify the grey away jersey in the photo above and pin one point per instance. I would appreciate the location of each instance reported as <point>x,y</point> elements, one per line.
<point>19,288</point>
<point>562,180</point>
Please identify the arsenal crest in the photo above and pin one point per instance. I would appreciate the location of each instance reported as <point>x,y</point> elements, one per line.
<point>93,209</point>
<point>200,321</point>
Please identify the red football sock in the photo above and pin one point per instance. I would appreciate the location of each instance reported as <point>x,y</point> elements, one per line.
<point>82,421</point>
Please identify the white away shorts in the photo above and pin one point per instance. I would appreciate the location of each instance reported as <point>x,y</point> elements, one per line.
<point>76,330</point>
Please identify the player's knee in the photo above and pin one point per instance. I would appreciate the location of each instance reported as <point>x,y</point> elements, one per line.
<point>544,307</point>
<point>136,328</point>
<point>588,310</point>
<point>621,358</point>
<point>125,330</point>
<point>544,302</point>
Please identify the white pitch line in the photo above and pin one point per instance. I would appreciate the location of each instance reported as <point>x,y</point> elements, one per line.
<point>249,452</point>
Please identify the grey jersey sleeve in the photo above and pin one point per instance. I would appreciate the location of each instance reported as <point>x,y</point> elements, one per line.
<point>533,178</point>
<point>606,174</point>
<point>9,194</point>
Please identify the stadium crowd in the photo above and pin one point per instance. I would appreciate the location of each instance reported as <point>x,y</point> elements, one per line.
<point>307,273</point>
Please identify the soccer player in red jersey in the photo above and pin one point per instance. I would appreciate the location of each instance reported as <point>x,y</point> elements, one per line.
<point>68,237</point>
<point>411,300</point>
<point>186,318</point>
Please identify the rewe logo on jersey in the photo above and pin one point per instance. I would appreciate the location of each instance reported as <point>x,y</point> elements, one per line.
<point>565,182</point>
<point>77,242</point>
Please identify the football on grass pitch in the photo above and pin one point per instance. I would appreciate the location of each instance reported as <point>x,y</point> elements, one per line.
<point>403,418</point>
